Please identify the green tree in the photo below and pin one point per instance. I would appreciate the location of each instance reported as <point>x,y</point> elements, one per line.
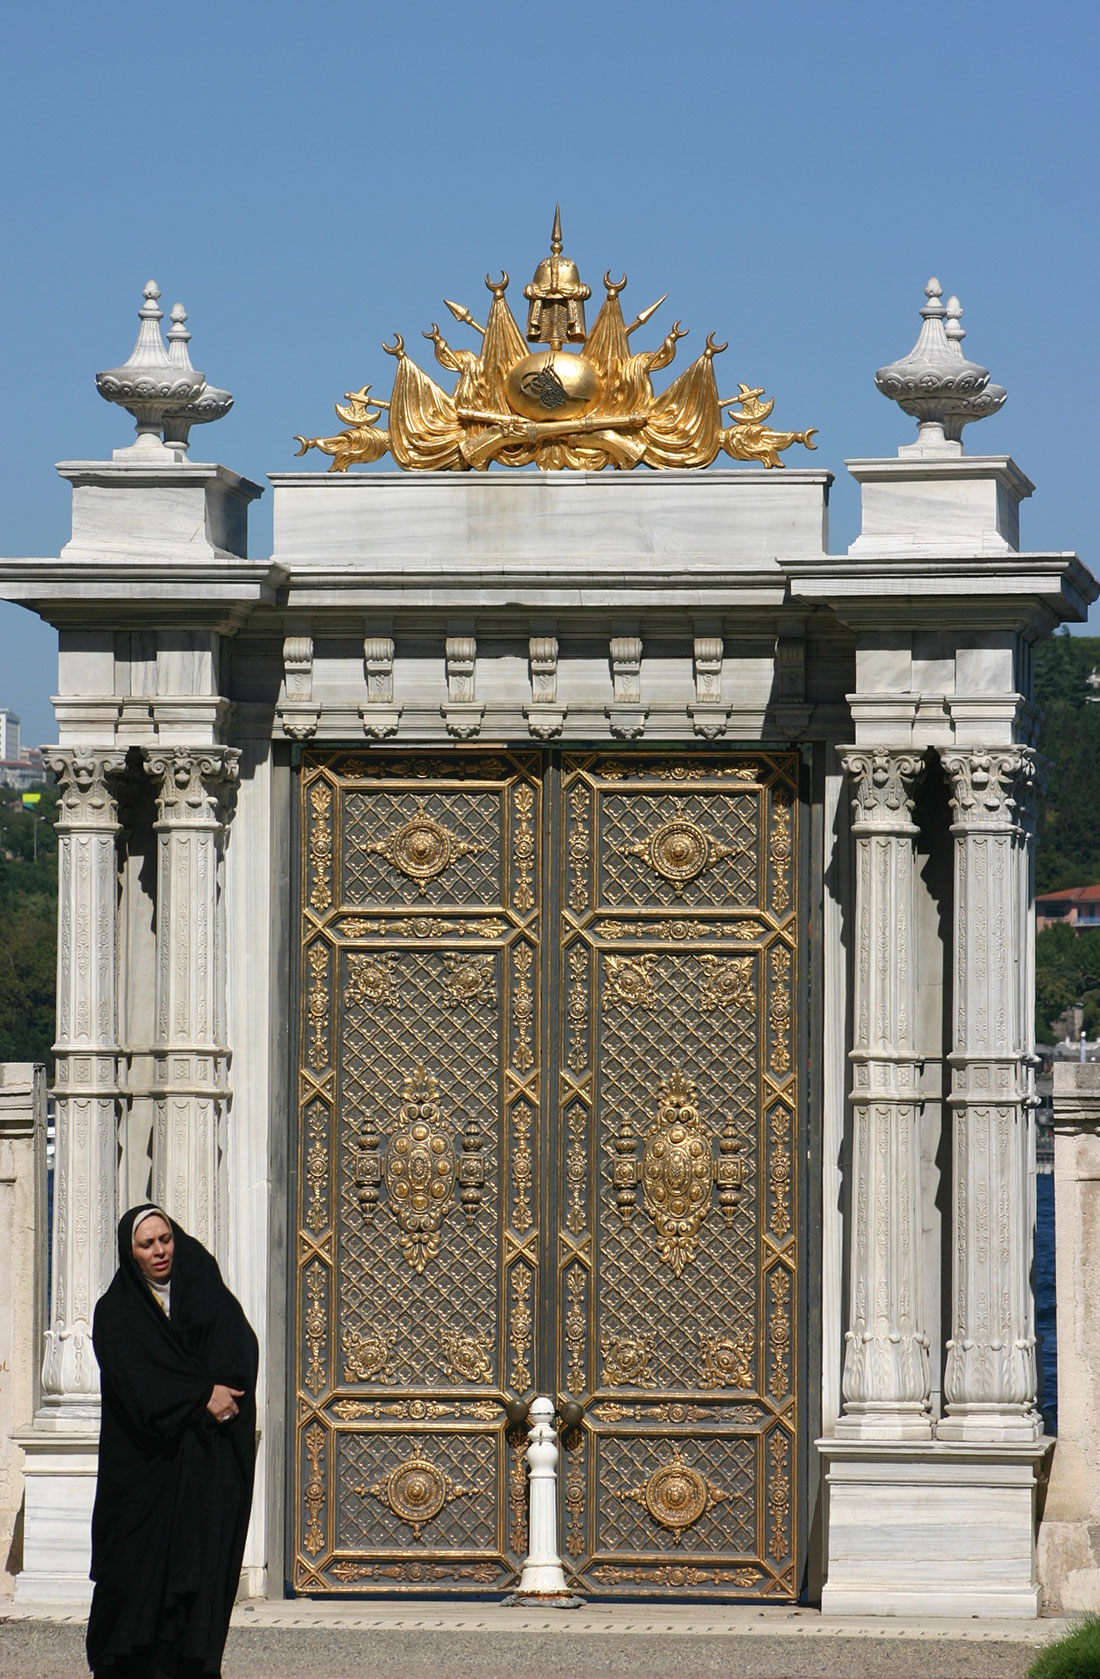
<point>28,926</point>
<point>1069,822</point>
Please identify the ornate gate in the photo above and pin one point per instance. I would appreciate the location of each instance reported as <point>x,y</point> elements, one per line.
<point>548,1140</point>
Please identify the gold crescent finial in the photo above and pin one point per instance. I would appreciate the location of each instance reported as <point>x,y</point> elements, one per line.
<point>555,237</point>
<point>500,286</point>
<point>611,287</point>
<point>397,348</point>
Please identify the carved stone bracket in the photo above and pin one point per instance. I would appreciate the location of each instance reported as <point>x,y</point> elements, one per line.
<point>545,717</point>
<point>297,711</point>
<point>627,717</point>
<point>462,715</point>
<point>380,717</point>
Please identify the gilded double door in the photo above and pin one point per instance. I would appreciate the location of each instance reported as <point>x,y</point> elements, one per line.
<point>548,1135</point>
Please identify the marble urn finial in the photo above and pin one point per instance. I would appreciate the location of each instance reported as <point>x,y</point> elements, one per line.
<point>936,384</point>
<point>149,385</point>
<point>210,404</point>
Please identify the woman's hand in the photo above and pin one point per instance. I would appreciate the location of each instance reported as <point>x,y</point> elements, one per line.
<point>222,1403</point>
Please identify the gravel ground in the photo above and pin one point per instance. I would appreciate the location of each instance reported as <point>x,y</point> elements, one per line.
<point>48,1650</point>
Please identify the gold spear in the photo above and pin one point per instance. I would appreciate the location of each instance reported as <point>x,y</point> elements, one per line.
<point>461,313</point>
<point>641,319</point>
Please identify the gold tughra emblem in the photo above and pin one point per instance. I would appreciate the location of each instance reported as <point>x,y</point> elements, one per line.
<point>585,409</point>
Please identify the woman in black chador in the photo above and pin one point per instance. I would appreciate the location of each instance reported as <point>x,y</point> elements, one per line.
<point>177,1449</point>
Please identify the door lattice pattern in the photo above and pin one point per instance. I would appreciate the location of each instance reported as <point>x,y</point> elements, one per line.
<point>645,907</point>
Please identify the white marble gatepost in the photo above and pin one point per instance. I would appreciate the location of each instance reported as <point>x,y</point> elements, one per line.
<point>61,1446</point>
<point>189,1050</point>
<point>885,1379</point>
<point>990,1382</point>
<point>1069,1538</point>
<point>943,1525</point>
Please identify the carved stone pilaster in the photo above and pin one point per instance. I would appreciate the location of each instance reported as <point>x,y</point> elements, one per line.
<point>86,1078</point>
<point>885,1380</point>
<point>990,1379</point>
<point>190,1054</point>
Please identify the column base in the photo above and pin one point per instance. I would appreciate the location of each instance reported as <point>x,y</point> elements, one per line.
<point>975,1427</point>
<point>885,1425</point>
<point>61,1457</point>
<point>932,1530</point>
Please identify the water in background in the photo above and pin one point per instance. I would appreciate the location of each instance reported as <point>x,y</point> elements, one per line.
<point>1045,1328</point>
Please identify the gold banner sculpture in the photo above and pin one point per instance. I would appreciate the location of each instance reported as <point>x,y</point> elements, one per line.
<point>557,408</point>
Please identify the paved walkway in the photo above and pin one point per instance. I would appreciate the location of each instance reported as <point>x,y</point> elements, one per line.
<point>360,1640</point>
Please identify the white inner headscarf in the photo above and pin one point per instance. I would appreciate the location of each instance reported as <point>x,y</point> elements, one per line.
<point>162,1292</point>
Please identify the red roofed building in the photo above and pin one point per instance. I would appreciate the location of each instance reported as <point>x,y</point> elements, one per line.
<point>1078,906</point>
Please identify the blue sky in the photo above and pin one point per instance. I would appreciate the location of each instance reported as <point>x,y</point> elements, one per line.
<point>308,179</point>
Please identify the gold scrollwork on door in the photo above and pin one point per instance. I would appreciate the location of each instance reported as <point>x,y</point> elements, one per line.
<point>679,851</point>
<point>469,980</point>
<point>370,980</point>
<point>726,982</point>
<point>626,1360</point>
<point>677,1171</point>
<point>630,982</point>
<point>421,848</point>
<point>466,1352</point>
<point>675,1495</point>
<point>415,1492</point>
<point>421,1170</point>
<point>313,1493</point>
<point>366,1356</point>
<point>726,1360</point>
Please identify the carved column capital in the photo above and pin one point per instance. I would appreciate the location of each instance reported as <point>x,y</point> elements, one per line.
<point>84,775</point>
<point>883,783</point>
<point>992,788</point>
<point>191,782</point>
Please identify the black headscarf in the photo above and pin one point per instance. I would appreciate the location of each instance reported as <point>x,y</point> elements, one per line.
<point>174,1490</point>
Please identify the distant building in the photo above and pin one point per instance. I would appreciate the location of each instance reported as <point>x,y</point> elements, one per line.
<point>26,770</point>
<point>1079,906</point>
<point>9,735</point>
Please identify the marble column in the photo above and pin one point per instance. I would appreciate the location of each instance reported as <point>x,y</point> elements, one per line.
<point>885,1380</point>
<point>190,1055</point>
<point>990,1376</point>
<point>86,1079</point>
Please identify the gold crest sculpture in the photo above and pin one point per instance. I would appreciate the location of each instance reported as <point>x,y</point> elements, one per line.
<point>584,409</point>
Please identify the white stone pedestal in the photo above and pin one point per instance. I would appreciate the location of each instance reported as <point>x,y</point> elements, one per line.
<point>933,1530</point>
<point>59,1475</point>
